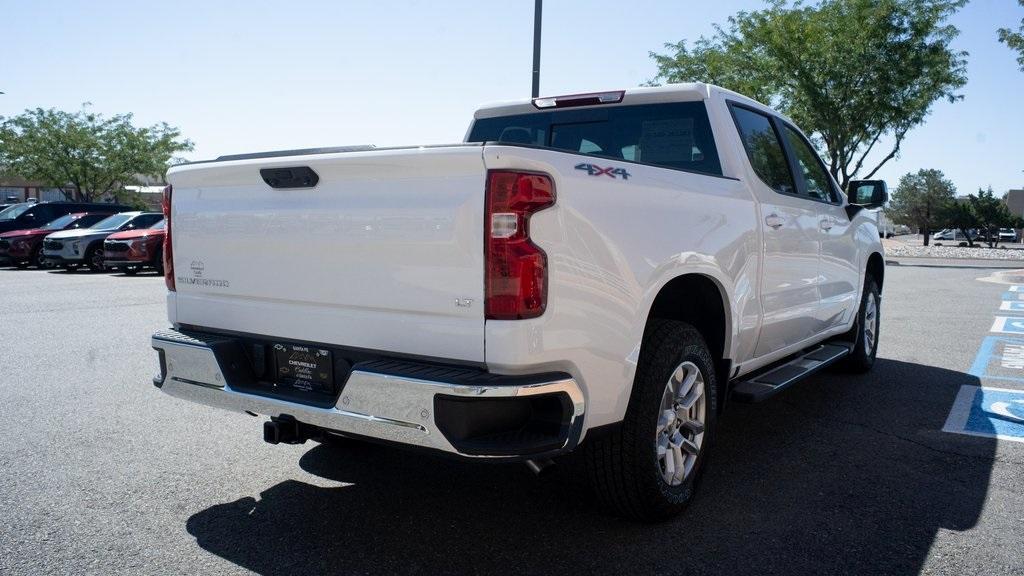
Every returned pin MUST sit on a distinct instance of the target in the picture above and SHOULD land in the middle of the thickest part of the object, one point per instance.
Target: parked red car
(132, 250)
(23, 248)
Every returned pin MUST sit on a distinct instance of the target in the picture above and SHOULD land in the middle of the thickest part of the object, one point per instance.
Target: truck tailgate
(384, 253)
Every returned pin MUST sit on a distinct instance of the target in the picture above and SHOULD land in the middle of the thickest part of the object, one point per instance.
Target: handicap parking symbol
(1008, 325)
(1012, 305)
(999, 358)
(988, 412)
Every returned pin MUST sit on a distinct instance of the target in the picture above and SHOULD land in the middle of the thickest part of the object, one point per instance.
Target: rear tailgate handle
(291, 177)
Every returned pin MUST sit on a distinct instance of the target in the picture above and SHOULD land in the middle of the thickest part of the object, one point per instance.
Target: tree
(992, 214)
(922, 200)
(94, 154)
(958, 215)
(1015, 40)
(853, 73)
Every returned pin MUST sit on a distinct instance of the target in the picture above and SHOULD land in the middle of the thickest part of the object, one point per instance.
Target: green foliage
(1015, 40)
(959, 215)
(95, 154)
(850, 72)
(133, 199)
(922, 200)
(991, 214)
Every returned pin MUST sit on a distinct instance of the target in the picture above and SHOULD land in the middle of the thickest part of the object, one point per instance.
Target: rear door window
(672, 135)
(764, 149)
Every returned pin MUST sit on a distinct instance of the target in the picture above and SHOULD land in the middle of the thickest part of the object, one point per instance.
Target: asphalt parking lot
(102, 474)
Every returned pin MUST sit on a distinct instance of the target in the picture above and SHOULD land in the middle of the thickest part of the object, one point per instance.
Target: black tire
(622, 467)
(38, 260)
(862, 357)
(158, 265)
(21, 265)
(131, 270)
(94, 257)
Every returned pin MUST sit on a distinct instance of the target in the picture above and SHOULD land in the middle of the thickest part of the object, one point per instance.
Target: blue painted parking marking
(1012, 305)
(1013, 295)
(1000, 358)
(1008, 325)
(1016, 288)
(988, 412)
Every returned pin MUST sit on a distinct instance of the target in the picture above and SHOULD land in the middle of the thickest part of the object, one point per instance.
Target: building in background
(1015, 202)
(152, 195)
(14, 189)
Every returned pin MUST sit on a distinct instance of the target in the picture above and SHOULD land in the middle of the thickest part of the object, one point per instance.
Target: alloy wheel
(870, 324)
(681, 421)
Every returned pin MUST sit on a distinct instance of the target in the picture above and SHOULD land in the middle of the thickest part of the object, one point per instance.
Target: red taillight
(168, 253)
(516, 269)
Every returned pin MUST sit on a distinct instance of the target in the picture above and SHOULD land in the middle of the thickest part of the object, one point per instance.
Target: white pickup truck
(594, 274)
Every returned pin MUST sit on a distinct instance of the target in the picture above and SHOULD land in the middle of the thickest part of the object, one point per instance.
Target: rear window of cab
(671, 135)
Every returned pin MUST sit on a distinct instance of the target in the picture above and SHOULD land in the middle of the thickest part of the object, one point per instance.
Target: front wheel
(39, 260)
(94, 258)
(864, 334)
(649, 466)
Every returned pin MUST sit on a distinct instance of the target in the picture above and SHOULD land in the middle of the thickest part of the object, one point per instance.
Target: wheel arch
(875, 267)
(701, 301)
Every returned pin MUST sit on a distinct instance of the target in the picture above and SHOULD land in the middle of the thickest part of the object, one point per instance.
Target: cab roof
(685, 92)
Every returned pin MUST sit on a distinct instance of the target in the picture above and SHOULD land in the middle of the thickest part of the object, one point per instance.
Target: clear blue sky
(250, 76)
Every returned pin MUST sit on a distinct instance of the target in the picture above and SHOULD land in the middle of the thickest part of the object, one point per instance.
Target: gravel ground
(899, 249)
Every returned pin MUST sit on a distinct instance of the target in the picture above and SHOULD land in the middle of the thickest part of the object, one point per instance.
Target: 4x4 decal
(610, 171)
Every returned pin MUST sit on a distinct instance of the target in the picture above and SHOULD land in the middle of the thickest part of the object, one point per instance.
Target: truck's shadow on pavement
(839, 475)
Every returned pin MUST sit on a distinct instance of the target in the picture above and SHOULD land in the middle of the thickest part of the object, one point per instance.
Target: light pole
(536, 47)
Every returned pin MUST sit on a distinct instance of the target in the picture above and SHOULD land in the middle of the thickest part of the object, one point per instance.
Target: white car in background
(950, 235)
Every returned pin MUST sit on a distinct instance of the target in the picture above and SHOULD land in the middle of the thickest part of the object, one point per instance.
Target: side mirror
(868, 194)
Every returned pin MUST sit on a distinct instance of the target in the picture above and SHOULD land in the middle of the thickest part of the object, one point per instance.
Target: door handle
(774, 221)
(826, 224)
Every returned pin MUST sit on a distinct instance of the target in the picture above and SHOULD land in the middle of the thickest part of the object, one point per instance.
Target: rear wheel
(864, 334)
(648, 468)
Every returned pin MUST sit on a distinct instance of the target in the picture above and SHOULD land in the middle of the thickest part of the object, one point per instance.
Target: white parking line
(990, 418)
(1008, 325)
(957, 419)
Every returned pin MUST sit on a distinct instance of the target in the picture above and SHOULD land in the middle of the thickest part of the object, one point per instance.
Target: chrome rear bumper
(372, 403)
